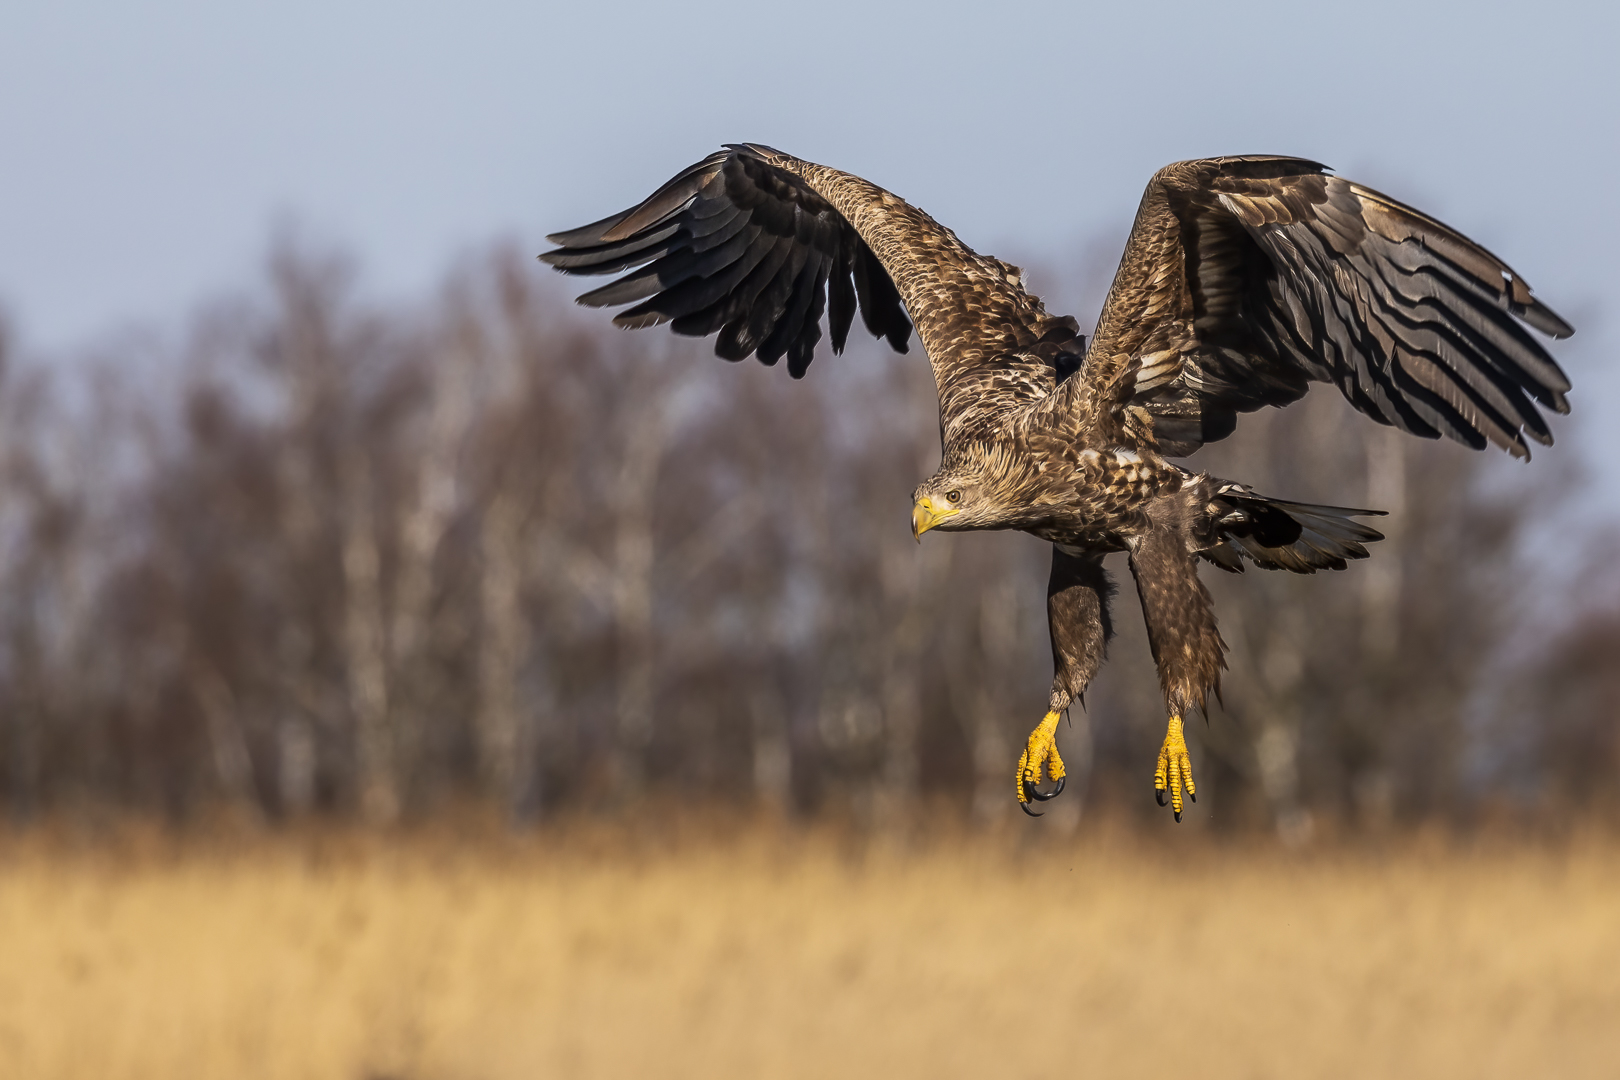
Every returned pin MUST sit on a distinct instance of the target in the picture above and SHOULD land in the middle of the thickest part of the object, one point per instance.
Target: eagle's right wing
(757, 246)
(1247, 278)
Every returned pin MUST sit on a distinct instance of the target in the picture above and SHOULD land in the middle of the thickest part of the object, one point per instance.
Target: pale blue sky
(148, 146)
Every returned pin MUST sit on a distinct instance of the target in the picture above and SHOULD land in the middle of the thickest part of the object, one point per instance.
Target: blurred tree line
(335, 559)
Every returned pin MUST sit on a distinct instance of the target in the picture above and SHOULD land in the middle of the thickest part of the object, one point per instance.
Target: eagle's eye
(953, 496)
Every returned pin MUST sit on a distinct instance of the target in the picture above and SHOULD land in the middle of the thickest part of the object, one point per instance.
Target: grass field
(802, 954)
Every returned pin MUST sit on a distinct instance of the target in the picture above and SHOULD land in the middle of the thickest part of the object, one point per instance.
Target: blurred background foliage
(319, 557)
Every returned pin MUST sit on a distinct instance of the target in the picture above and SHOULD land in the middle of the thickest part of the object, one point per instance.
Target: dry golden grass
(781, 954)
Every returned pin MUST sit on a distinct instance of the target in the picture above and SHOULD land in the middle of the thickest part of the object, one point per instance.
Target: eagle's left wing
(757, 246)
(1247, 278)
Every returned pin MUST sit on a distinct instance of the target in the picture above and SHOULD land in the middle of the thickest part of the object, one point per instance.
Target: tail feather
(1278, 535)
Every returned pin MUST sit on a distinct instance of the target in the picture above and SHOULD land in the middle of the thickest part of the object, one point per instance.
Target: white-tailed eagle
(1245, 279)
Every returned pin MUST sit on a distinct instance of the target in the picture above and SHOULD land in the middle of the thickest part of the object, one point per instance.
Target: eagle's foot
(1174, 769)
(1041, 751)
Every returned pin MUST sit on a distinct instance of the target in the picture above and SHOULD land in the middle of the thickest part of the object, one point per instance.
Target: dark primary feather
(1245, 279)
(735, 246)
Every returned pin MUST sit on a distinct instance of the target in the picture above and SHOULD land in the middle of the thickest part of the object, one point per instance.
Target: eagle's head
(954, 499)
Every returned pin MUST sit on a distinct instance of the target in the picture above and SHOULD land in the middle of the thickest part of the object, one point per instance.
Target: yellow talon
(1041, 750)
(1174, 769)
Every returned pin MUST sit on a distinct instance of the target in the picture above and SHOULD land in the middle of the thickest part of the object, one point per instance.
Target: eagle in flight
(1244, 280)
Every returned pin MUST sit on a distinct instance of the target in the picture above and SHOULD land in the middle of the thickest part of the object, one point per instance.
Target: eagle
(1244, 280)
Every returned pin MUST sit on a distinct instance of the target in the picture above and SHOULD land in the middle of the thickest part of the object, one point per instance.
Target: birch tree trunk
(365, 648)
(1373, 788)
(435, 496)
(993, 751)
(631, 587)
(506, 731)
(233, 765)
(902, 573)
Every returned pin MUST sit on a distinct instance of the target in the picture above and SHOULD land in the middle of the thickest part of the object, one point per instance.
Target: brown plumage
(1244, 280)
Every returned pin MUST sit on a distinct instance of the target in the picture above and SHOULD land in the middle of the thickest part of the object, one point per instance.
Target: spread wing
(1247, 278)
(757, 247)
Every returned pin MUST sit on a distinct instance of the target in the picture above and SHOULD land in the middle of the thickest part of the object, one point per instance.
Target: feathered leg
(1077, 617)
(1186, 645)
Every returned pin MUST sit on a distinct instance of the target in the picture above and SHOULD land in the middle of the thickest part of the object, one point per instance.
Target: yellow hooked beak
(925, 514)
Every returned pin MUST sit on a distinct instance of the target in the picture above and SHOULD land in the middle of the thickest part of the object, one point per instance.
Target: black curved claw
(1193, 796)
(1024, 806)
(1178, 817)
(1158, 796)
(1035, 793)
